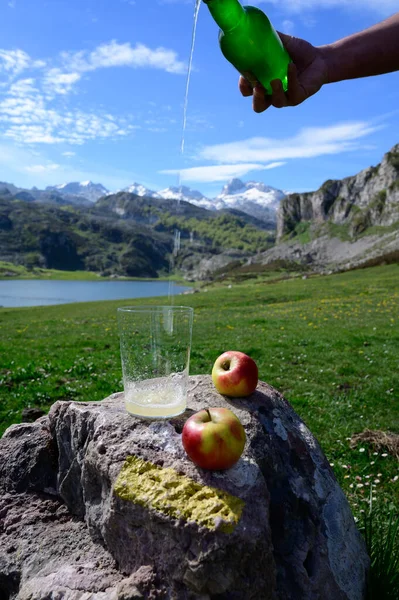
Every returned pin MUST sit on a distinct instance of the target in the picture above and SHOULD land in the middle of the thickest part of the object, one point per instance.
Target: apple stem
(209, 414)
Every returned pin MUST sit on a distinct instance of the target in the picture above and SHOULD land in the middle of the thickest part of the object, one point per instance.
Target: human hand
(306, 75)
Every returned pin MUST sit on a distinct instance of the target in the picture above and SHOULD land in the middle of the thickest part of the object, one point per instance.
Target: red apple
(235, 374)
(214, 438)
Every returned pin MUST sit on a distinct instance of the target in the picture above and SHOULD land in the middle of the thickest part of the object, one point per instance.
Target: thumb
(289, 41)
(299, 50)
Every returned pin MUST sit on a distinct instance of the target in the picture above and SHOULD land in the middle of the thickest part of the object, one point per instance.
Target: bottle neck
(227, 13)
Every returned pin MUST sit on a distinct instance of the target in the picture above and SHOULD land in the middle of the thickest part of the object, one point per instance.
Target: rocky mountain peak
(344, 224)
(232, 187)
(370, 198)
(141, 190)
(87, 189)
(182, 192)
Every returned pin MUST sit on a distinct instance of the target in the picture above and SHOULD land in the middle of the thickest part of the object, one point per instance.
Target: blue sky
(94, 89)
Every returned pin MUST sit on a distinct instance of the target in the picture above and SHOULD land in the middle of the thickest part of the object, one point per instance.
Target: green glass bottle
(249, 41)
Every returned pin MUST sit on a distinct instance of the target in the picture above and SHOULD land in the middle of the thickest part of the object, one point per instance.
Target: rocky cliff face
(369, 198)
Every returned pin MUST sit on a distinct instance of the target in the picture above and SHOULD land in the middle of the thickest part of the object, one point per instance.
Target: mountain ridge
(86, 189)
(344, 224)
(256, 199)
(123, 235)
(371, 197)
(253, 198)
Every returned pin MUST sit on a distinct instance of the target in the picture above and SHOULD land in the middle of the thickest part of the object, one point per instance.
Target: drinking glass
(155, 351)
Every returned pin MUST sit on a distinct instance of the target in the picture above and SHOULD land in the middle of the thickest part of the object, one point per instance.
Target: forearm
(371, 52)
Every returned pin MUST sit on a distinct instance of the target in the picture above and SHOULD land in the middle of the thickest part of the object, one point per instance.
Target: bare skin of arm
(373, 51)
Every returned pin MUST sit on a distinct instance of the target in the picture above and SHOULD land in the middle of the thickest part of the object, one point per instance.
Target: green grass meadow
(330, 344)
(11, 271)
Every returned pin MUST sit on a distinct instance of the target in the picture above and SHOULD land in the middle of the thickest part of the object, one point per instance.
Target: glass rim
(156, 308)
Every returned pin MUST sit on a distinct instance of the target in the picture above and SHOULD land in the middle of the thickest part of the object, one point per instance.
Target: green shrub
(393, 159)
(360, 222)
(378, 202)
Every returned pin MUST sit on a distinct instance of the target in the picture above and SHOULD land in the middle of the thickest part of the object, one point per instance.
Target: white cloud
(57, 82)
(215, 173)
(114, 54)
(274, 165)
(71, 65)
(22, 87)
(27, 116)
(31, 114)
(69, 154)
(42, 168)
(383, 7)
(308, 143)
(261, 153)
(14, 61)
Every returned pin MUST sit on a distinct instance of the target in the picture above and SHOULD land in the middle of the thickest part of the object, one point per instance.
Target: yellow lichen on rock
(177, 496)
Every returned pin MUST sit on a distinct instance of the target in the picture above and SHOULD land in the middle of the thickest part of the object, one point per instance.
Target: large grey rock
(114, 510)
(28, 458)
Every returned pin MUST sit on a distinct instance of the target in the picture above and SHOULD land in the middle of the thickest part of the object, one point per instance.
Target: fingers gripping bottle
(249, 41)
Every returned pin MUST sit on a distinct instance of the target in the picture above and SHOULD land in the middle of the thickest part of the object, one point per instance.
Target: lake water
(43, 292)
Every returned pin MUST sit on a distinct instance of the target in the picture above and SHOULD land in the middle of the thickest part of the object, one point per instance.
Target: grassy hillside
(11, 271)
(72, 239)
(120, 235)
(224, 231)
(330, 344)
(307, 231)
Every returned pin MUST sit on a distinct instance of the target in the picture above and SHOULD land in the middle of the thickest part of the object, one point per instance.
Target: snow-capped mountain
(236, 193)
(87, 189)
(254, 198)
(185, 193)
(141, 190)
